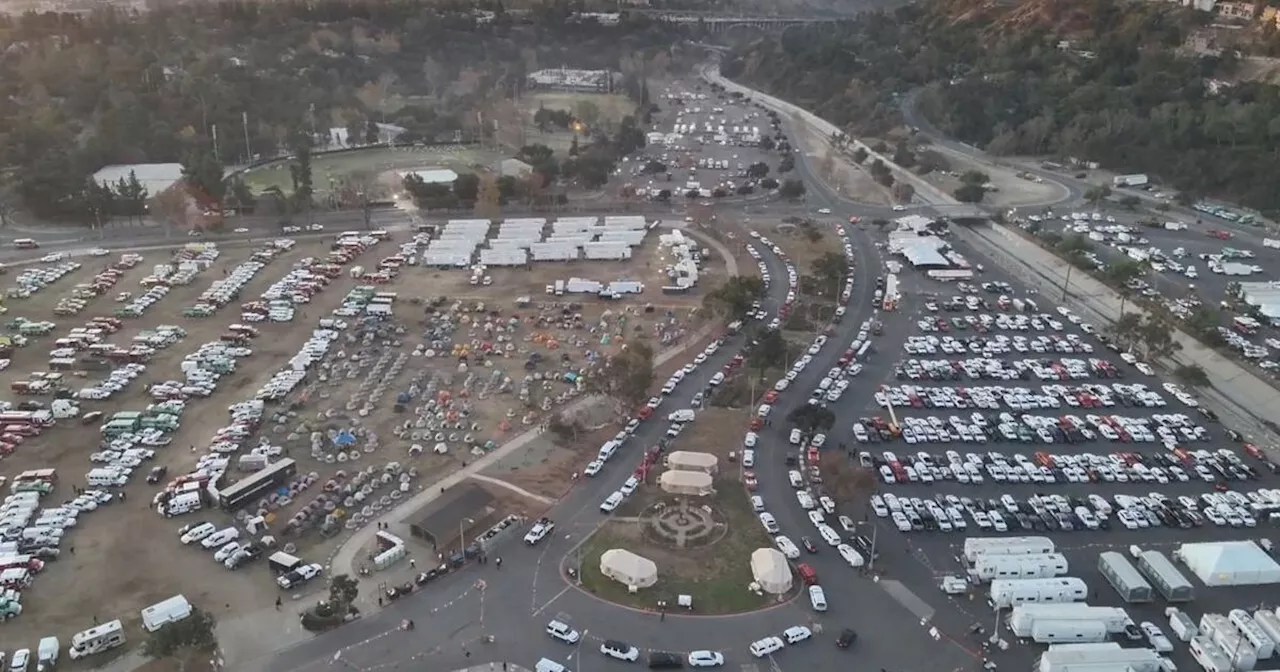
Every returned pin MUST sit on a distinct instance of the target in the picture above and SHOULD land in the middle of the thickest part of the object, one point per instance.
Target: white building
(1230, 563)
(564, 79)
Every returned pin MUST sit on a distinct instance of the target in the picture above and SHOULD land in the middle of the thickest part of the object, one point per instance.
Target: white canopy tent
(628, 568)
(686, 460)
(770, 569)
(1230, 563)
(687, 483)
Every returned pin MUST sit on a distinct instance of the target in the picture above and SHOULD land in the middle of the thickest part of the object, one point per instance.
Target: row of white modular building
(517, 242)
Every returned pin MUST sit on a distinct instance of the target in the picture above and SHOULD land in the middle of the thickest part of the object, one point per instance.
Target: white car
(769, 522)
(20, 661)
(611, 502)
(787, 547)
(539, 531)
(198, 532)
(298, 576)
(620, 650)
(763, 647)
(563, 632)
(220, 537)
(593, 467)
(241, 230)
(629, 486)
(226, 551)
(706, 659)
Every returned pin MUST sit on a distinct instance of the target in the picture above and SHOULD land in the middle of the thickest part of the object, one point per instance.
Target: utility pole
(248, 147)
(216, 153)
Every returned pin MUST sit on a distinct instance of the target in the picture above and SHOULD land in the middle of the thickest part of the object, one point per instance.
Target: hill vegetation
(1100, 80)
(78, 92)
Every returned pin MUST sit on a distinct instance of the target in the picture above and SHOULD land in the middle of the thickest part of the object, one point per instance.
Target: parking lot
(705, 142)
(998, 412)
(1185, 266)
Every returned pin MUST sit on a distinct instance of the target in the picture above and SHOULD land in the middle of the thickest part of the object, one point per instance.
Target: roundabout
(701, 551)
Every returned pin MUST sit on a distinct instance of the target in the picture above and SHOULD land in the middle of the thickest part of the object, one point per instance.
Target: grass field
(380, 162)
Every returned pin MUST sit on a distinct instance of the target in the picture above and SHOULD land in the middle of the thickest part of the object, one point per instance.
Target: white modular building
(609, 251)
(1098, 657)
(554, 251)
(505, 257)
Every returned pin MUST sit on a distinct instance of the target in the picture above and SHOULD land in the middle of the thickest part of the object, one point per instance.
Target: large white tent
(628, 568)
(1230, 563)
(692, 461)
(770, 570)
(686, 483)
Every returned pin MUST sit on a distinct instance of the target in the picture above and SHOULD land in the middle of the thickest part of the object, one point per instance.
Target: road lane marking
(553, 599)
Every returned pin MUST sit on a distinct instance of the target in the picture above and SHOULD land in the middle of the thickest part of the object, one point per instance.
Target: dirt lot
(1011, 190)
(838, 171)
(101, 555)
(714, 570)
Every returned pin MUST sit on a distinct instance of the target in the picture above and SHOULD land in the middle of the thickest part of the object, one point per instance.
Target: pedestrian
(279, 602)
(72, 550)
(499, 563)
(413, 564)
(123, 495)
(662, 616)
(379, 600)
(95, 619)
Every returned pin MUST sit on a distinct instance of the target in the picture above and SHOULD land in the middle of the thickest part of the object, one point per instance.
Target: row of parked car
(990, 368)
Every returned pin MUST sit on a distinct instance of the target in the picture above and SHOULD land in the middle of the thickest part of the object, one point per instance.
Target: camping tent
(686, 483)
(770, 569)
(1230, 563)
(628, 568)
(685, 460)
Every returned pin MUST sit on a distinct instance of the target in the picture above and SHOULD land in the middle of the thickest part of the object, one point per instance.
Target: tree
(467, 188)
(828, 274)
(355, 131)
(99, 203)
(768, 350)
(203, 173)
(846, 482)
(300, 175)
(195, 632)
(1126, 329)
(588, 113)
(489, 198)
(343, 590)
(1193, 375)
(903, 192)
(371, 132)
(735, 297)
(969, 193)
(812, 418)
(860, 155)
(625, 377)
(1096, 195)
(174, 208)
(769, 183)
(791, 189)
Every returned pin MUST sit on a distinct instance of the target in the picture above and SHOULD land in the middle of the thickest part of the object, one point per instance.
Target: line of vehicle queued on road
(677, 420)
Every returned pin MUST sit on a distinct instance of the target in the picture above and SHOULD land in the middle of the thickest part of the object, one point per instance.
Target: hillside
(1097, 79)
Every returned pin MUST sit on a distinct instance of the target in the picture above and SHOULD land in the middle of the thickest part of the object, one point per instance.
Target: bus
(256, 485)
(25, 244)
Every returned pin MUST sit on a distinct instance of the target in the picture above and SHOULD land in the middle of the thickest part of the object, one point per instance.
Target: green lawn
(715, 576)
(378, 163)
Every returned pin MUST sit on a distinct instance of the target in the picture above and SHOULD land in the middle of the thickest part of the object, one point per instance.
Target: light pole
(462, 535)
(875, 535)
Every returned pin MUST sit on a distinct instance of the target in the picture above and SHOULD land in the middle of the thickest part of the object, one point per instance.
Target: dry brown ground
(114, 557)
(840, 173)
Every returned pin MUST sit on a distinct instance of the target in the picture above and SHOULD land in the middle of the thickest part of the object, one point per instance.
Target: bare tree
(847, 482)
(489, 197)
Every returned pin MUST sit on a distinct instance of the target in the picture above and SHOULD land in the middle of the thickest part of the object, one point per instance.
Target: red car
(1222, 235)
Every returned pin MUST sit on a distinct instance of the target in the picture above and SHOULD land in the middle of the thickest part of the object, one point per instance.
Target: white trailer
(1181, 624)
(1098, 656)
(989, 567)
(97, 639)
(1210, 656)
(1270, 624)
(553, 251)
(1067, 632)
(1263, 645)
(1134, 180)
(975, 546)
(1235, 646)
(1024, 616)
(607, 251)
(163, 613)
(1007, 593)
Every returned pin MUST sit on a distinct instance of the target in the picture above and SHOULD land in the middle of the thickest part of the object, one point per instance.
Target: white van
(829, 535)
(796, 480)
(547, 665)
(180, 504)
(47, 653)
(817, 598)
(607, 450)
(682, 415)
(105, 478)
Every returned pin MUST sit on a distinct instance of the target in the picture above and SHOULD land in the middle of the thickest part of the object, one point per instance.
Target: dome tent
(628, 568)
(770, 569)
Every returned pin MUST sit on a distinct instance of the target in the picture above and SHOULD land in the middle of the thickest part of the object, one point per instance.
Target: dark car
(808, 545)
(157, 474)
(661, 660)
(847, 638)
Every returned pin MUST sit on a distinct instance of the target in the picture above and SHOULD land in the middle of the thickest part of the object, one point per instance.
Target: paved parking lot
(1180, 268)
(1010, 417)
(705, 142)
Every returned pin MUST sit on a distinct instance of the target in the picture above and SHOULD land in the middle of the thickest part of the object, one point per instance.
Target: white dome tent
(627, 568)
(1230, 563)
(771, 571)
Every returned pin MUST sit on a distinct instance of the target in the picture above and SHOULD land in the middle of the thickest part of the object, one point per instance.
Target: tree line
(223, 83)
(1097, 80)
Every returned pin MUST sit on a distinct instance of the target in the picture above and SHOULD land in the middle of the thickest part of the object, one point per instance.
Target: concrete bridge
(718, 22)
